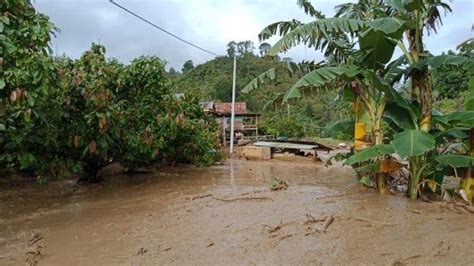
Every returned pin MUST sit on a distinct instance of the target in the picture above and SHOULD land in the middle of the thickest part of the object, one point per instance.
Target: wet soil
(227, 215)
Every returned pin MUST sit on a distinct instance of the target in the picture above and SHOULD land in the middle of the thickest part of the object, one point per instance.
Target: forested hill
(213, 79)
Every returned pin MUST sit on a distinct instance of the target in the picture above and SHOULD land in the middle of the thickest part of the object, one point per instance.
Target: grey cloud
(208, 23)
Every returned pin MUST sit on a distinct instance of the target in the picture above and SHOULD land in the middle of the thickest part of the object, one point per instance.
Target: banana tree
(420, 16)
(459, 123)
(426, 150)
(361, 70)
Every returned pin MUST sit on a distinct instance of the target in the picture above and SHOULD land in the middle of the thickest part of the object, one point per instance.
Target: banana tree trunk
(421, 89)
(415, 164)
(377, 132)
(422, 86)
(421, 92)
(360, 129)
(467, 182)
(380, 178)
(369, 121)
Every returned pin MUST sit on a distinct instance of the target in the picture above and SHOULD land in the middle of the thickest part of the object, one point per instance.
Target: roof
(225, 108)
(207, 105)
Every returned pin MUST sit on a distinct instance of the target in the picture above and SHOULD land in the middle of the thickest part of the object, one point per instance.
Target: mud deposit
(227, 215)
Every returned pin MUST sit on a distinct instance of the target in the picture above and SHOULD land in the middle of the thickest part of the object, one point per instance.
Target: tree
(92, 112)
(449, 81)
(245, 47)
(28, 90)
(173, 71)
(240, 48)
(188, 65)
(231, 49)
(264, 48)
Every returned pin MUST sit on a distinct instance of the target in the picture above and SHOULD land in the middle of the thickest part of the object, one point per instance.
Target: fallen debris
(415, 211)
(442, 249)
(464, 207)
(329, 219)
(277, 184)
(335, 196)
(35, 249)
(285, 237)
(35, 237)
(200, 196)
(210, 244)
(372, 221)
(242, 198)
(311, 232)
(273, 229)
(141, 251)
(404, 261)
(33, 255)
(312, 220)
(254, 191)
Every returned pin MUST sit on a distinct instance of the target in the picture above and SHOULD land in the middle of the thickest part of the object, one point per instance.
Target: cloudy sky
(208, 23)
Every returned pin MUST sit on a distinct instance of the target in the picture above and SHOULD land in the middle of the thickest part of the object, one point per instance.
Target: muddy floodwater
(227, 215)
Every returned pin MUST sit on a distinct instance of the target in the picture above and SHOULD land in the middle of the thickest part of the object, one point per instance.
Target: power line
(163, 30)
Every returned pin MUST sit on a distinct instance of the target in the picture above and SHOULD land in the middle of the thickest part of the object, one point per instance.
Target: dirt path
(227, 215)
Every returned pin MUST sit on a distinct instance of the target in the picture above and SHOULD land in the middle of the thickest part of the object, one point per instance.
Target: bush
(293, 126)
(59, 117)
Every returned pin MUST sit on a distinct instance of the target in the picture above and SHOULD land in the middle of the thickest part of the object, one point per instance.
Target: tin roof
(226, 108)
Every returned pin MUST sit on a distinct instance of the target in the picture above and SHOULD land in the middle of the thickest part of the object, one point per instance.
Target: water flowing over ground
(227, 215)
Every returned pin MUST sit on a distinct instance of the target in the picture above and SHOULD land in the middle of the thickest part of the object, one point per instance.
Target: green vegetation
(212, 81)
(60, 117)
(359, 43)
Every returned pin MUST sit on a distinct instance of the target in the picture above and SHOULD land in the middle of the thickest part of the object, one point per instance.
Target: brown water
(191, 215)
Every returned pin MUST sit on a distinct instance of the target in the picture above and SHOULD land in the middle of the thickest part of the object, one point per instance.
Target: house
(245, 123)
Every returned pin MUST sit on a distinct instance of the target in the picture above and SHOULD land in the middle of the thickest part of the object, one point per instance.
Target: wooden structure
(294, 147)
(245, 123)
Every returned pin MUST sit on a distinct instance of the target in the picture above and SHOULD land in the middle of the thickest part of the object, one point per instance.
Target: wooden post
(224, 139)
(256, 127)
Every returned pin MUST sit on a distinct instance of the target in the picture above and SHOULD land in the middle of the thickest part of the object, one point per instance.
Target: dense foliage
(60, 116)
(359, 43)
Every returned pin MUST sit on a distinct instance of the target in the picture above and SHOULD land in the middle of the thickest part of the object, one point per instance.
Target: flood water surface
(226, 214)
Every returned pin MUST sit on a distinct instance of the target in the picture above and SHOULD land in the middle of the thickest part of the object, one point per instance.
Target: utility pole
(233, 109)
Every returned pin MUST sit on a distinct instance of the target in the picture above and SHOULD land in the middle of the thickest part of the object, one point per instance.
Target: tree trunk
(360, 128)
(90, 173)
(421, 92)
(380, 177)
(467, 182)
(421, 83)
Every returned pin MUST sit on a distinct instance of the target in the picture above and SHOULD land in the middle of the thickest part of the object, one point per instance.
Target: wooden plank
(284, 145)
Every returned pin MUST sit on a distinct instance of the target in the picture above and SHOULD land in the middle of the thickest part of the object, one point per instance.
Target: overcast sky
(208, 23)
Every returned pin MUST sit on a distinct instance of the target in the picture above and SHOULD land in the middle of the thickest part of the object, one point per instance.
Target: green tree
(449, 81)
(27, 90)
(264, 48)
(231, 49)
(188, 65)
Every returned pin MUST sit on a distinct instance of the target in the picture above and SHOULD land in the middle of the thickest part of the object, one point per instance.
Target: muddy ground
(227, 215)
